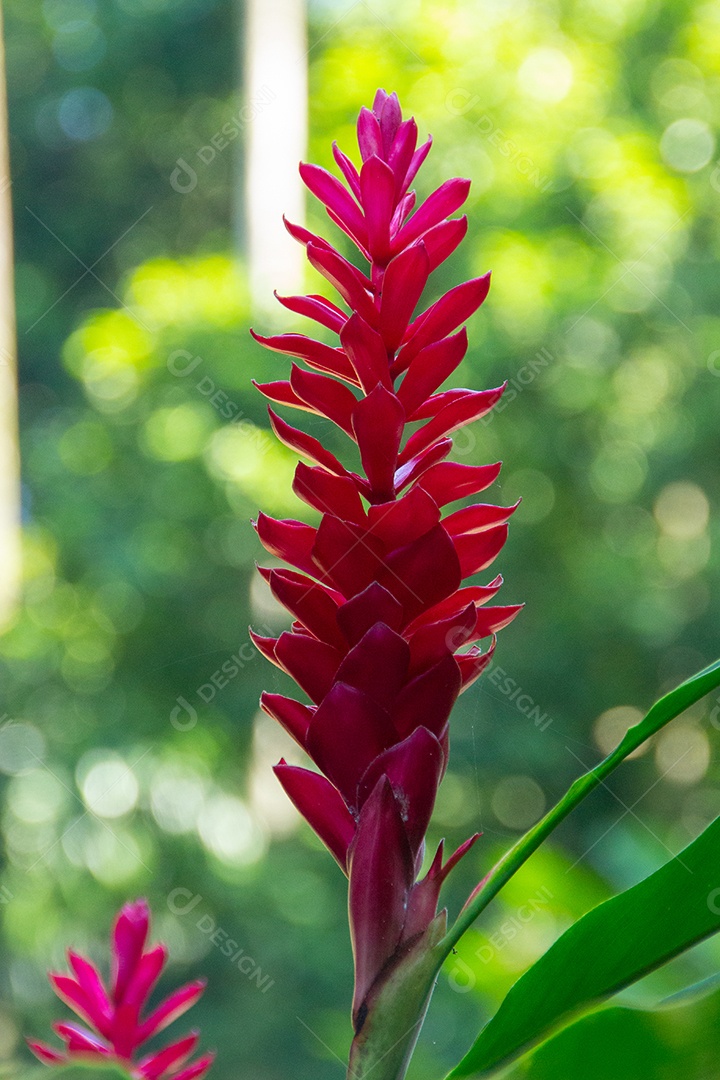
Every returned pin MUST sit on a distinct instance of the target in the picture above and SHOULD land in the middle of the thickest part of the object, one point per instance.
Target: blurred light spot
(268, 800)
(546, 75)
(22, 839)
(591, 340)
(700, 809)
(618, 472)
(630, 531)
(87, 670)
(170, 930)
(208, 289)
(177, 434)
(687, 145)
(109, 786)
(112, 855)
(635, 218)
(119, 602)
(85, 448)
(674, 72)
(263, 604)
(593, 154)
(106, 353)
(610, 727)
(683, 558)
(525, 280)
(28, 980)
(22, 746)
(160, 548)
(643, 382)
(176, 798)
(79, 45)
(683, 99)
(253, 463)
(518, 802)
(58, 13)
(112, 385)
(456, 803)
(227, 829)
(36, 797)
(682, 510)
(91, 649)
(113, 336)
(575, 386)
(682, 754)
(523, 940)
(85, 113)
(304, 898)
(637, 291)
(655, 613)
(678, 664)
(73, 840)
(536, 491)
(9, 1036)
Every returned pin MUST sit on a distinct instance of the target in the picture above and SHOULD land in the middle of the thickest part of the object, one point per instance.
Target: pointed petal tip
(198, 1069)
(138, 909)
(44, 1053)
(458, 854)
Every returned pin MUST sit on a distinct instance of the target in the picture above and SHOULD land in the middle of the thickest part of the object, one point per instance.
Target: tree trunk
(10, 554)
(276, 107)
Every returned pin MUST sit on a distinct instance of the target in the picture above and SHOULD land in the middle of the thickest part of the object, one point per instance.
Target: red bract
(116, 1028)
(384, 637)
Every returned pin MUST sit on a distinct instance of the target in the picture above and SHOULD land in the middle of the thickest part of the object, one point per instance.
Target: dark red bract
(384, 637)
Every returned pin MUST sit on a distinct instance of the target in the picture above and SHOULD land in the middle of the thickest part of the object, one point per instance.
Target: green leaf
(611, 947)
(618, 1043)
(662, 712)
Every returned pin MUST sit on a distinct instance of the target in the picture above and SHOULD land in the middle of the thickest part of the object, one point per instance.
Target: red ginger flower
(117, 1030)
(380, 617)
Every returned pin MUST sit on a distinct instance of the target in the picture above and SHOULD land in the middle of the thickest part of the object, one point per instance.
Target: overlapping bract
(116, 1029)
(384, 637)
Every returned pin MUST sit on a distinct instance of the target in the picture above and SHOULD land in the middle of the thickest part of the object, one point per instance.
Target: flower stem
(395, 1012)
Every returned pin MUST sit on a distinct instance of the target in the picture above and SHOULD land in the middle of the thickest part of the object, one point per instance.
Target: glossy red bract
(384, 637)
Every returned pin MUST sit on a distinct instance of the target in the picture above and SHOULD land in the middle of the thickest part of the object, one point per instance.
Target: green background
(588, 129)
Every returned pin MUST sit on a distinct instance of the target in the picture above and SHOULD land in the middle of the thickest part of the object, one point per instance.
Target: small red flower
(384, 638)
(116, 1028)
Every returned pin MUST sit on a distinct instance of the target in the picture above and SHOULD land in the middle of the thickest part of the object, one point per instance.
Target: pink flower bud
(117, 1028)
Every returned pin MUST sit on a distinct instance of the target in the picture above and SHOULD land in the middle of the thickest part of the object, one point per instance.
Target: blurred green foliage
(133, 759)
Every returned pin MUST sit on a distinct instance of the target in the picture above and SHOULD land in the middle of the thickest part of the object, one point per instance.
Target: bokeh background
(133, 760)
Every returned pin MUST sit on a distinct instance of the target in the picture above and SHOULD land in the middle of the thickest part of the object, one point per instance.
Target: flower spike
(385, 637)
(117, 1029)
